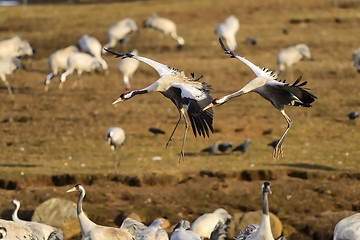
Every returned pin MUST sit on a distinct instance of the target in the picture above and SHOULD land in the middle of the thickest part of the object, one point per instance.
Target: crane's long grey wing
(161, 69)
(303, 95)
(257, 70)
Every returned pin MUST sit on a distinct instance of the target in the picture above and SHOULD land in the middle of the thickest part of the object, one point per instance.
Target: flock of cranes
(211, 226)
(186, 92)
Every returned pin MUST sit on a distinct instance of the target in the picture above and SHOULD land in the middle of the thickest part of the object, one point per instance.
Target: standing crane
(227, 30)
(165, 26)
(291, 55)
(115, 136)
(92, 231)
(93, 47)
(183, 92)
(127, 67)
(8, 66)
(276, 92)
(40, 230)
(262, 231)
(117, 32)
(58, 63)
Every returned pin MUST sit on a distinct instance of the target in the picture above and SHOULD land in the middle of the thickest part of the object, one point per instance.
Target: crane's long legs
(116, 160)
(170, 138)
(182, 115)
(8, 87)
(278, 149)
(182, 153)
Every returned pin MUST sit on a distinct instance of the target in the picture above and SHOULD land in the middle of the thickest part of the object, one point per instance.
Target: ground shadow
(306, 166)
(18, 165)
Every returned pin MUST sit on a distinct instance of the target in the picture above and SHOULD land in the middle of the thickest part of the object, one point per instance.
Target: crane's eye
(122, 96)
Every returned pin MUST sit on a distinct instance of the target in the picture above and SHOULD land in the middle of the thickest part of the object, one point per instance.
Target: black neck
(139, 92)
(265, 203)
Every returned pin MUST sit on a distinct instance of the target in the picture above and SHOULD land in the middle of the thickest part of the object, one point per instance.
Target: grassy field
(63, 132)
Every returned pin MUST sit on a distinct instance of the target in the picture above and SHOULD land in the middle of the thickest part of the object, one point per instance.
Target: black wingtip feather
(302, 84)
(193, 126)
(198, 125)
(117, 55)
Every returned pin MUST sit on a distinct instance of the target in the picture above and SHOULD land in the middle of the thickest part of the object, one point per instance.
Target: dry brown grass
(63, 131)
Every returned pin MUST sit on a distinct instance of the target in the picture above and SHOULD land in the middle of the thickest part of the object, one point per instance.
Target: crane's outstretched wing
(195, 100)
(257, 70)
(161, 69)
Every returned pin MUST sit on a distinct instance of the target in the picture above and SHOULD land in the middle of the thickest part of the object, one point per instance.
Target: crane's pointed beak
(208, 106)
(117, 101)
(73, 189)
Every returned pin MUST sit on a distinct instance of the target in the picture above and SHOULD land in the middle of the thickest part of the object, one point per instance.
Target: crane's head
(216, 102)
(123, 97)
(266, 188)
(16, 202)
(77, 187)
(128, 95)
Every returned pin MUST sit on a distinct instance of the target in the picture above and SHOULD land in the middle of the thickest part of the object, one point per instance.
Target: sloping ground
(52, 140)
(308, 202)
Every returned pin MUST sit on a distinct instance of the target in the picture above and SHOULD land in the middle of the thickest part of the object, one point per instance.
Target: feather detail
(201, 121)
(257, 70)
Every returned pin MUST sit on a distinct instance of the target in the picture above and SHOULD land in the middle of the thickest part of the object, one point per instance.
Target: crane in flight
(183, 92)
(277, 92)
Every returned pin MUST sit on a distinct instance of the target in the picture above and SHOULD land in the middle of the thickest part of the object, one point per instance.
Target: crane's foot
(182, 156)
(169, 142)
(278, 150)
